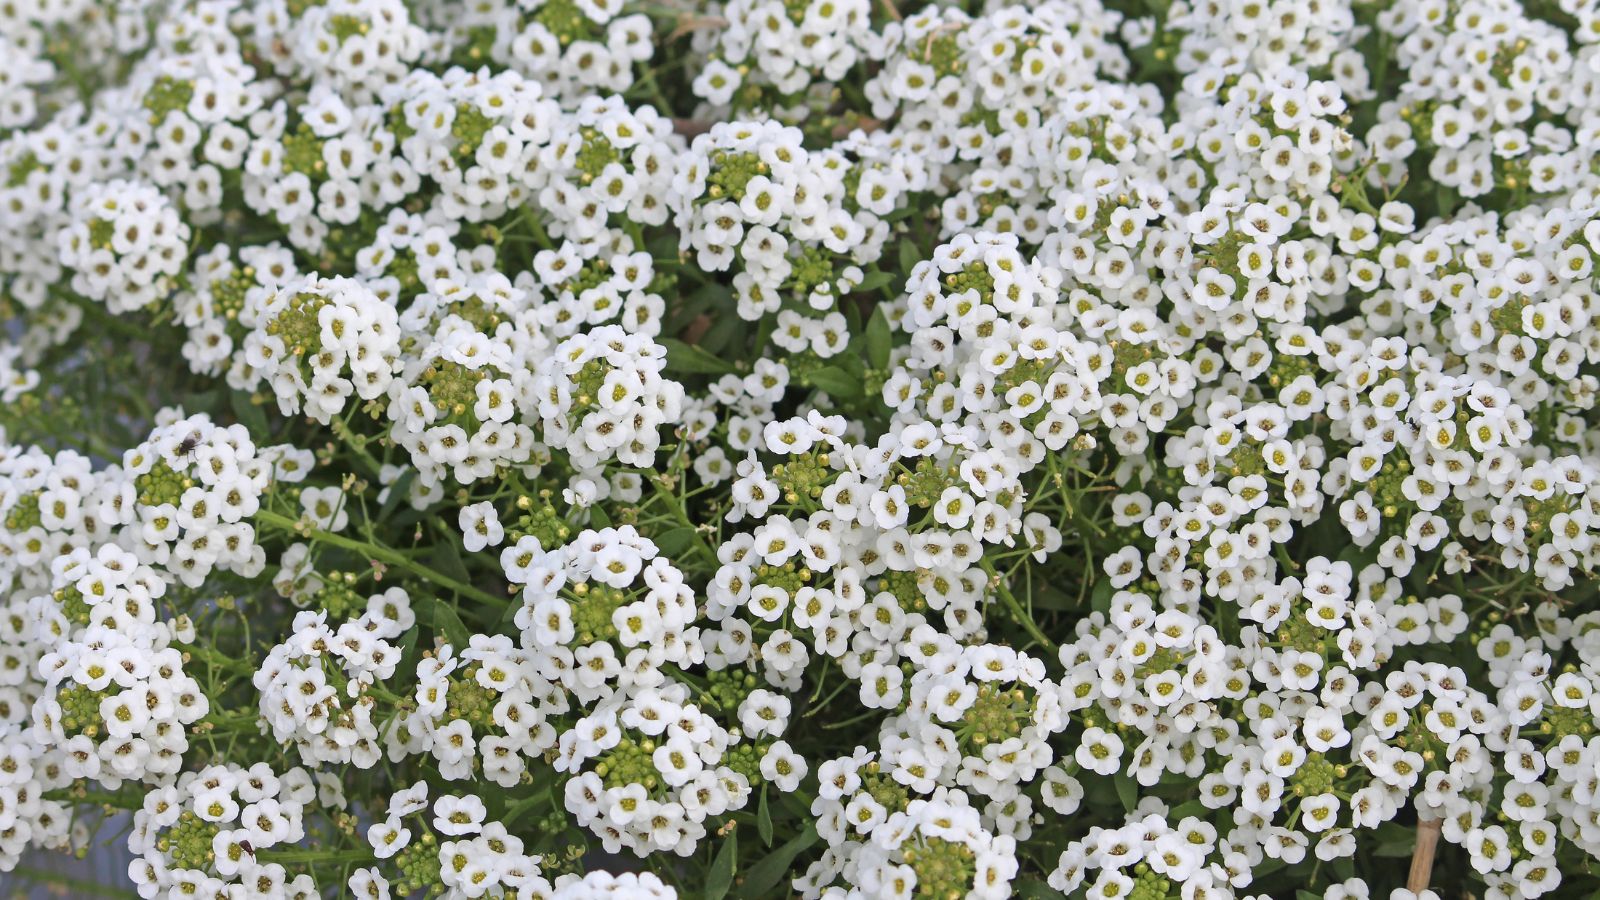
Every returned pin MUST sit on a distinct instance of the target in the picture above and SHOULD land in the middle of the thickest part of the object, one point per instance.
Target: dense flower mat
(1123, 449)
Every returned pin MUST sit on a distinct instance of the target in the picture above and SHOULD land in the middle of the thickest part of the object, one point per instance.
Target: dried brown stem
(1422, 857)
(692, 23)
(690, 128)
(696, 329)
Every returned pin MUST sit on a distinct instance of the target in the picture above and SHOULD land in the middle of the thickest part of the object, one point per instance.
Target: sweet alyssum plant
(1126, 449)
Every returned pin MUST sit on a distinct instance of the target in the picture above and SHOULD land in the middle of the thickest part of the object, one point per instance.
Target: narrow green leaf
(711, 299)
(725, 332)
(909, 256)
(446, 622)
(1345, 868)
(688, 358)
(1127, 791)
(520, 807)
(1266, 868)
(250, 415)
(765, 875)
(1395, 849)
(409, 651)
(1100, 597)
(1038, 890)
(836, 382)
(1048, 597)
(720, 878)
(879, 341)
(852, 318)
(398, 492)
(446, 557)
(764, 818)
(874, 281)
(675, 541)
(1183, 810)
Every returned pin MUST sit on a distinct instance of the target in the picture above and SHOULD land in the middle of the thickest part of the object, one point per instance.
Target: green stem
(300, 855)
(115, 801)
(219, 659)
(675, 505)
(381, 553)
(74, 887)
(1016, 608)
(356, 444)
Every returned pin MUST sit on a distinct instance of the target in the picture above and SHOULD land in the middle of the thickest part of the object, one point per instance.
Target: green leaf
(1345, 868)
(765, 875)
(853, 365)
(508, 619)
(1100, 597)
(250, 415)
(397, 493)
(1127, 791)
(1395, 849)
(909, 256)
(879, 341)
(720, 878)
(409, 652)
(874, 281)
(447, 559)
(1050, 597)
(852, 319)
(676, 541)
(692, 359)
(725, 330)
(1038, 890)
(836, 382)
(520, 807)
(764, 818)
(1304, 894)
(1184, 810)
(763, 334)
(598, 517)
(1266, 868)
(711, 299)
(446, 622)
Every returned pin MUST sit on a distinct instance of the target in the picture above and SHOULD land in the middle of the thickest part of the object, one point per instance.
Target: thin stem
(75, 887)
(300, 855)
(1422, 856)
(381, 553)
(115, 801)
(1016, 608)
(219, 659)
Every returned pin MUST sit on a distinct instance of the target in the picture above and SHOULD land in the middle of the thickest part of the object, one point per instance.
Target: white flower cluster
(573, 48)
(202, 834)
(302, 699)
(777, 58)
(649, 772)
(117, 700)
(1146, 450)
(606, 590)
(602, 395)
(484, 710)
(356, 47)
(476, 857)
(794, 224)
(125, 245)
(98, 685)
(317, 341)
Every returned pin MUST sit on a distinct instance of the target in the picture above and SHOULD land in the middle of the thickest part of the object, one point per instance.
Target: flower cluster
(818, 448)
(216, 828)
(125, 246)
